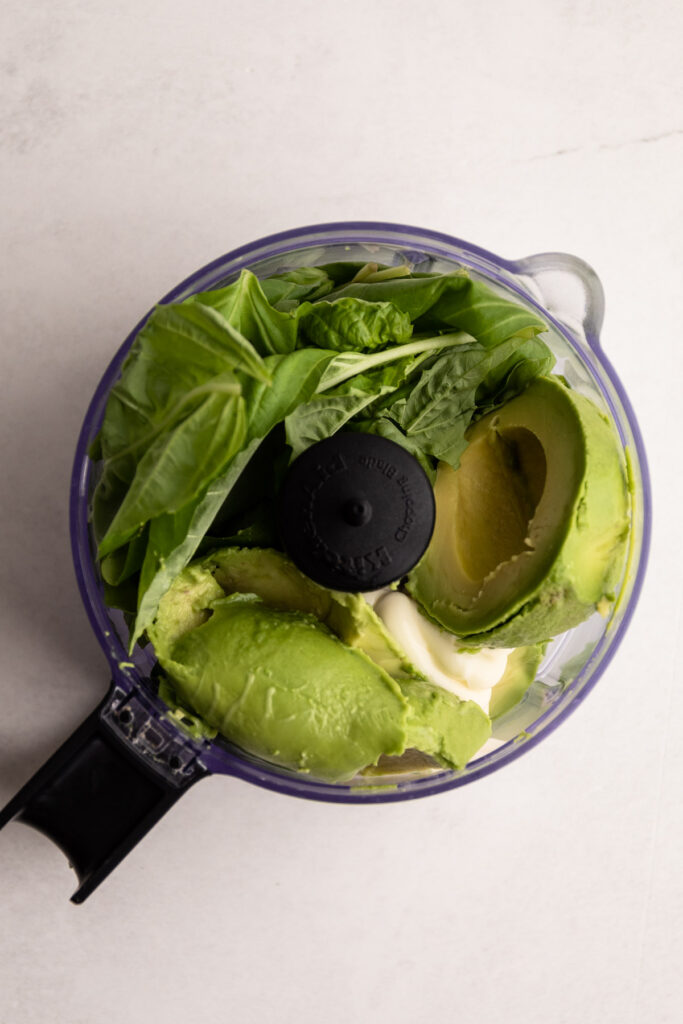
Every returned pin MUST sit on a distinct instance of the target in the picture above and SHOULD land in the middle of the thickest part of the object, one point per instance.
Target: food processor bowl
(161, 760)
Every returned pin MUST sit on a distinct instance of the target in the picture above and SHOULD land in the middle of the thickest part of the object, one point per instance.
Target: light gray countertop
(141, 140)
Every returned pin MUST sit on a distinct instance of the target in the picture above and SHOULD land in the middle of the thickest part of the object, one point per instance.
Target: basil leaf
(435, 302)
(295, 378)
(175, 537)
(381, 426)
(342, 272)
(511, 375)
(443, 401)
(120, 565)
(244, 305)
(173, 540)
(353, 325)
(176, 467)
(215, 341)
(348, 364)
(413, 295)
(327, 413)
(183, 358)
(483, 313)
(285, 291)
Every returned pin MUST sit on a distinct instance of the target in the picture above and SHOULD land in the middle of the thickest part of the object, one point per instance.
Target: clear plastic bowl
(568, 294)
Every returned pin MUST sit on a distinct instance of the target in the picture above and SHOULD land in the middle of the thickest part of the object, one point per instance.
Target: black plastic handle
(105, 788)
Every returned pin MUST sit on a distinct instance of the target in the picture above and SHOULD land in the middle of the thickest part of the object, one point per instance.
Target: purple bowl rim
(296, 785)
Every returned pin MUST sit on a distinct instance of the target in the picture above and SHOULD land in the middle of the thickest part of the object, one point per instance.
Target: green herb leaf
(353, 325)
(214, 336)
(174, 538)
(443, 400)
(414, 295)
(295, 378)
(383, 427)
(483, 313)
(509, 376)
(435, 302)
(176, 467)
(244, 305)
(120, 565)
(184, 357)
(348, 364)
(285, 291)
(325, 414)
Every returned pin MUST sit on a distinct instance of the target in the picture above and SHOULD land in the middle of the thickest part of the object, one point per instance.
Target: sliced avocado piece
(531, 528)
(520, 672)
(271, 576)
(278, 582)
(283, 687)
(185, 605)
(359, 625)
(276, 648)
(440, 724)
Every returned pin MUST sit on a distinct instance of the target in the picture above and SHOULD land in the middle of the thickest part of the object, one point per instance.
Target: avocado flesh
(531, 529)
(440, 724)
(278, 582)
(519, 674)
(282, 687)
(342, 692)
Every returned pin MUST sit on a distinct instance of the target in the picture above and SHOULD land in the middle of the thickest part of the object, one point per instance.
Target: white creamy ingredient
(373, 596)
(435, 652)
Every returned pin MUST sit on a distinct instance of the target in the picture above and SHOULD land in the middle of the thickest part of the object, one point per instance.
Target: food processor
(131, 759)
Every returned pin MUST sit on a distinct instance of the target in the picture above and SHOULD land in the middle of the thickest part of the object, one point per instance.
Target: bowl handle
(105, 788)
(569, 289)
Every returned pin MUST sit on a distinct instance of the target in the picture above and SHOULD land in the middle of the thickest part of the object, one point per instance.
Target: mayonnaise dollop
(435, 652)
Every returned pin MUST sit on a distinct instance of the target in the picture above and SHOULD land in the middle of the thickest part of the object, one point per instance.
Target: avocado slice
(277, 581)
(283, 687)
(302, 676)
(531, 529)
(440, 724)
(520, 672)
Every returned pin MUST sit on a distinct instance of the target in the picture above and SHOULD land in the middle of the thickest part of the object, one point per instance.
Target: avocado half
(530, 532)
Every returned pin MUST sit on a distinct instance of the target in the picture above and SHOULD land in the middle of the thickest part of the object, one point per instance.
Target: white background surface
(139, 141)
